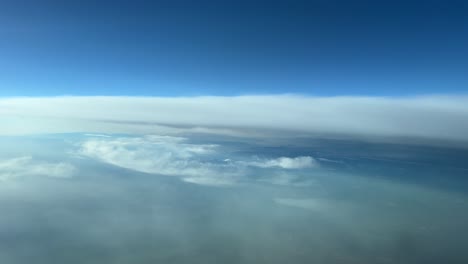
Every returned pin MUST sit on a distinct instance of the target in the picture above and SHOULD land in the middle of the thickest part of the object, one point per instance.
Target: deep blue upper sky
(185, 48)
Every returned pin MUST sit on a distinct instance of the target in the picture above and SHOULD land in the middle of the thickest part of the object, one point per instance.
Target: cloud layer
(282, 210)
(435, 117)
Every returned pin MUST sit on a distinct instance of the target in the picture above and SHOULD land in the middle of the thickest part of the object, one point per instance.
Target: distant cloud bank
(432, 117)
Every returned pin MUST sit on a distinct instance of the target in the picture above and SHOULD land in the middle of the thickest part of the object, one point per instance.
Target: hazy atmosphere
(142, 199)
(327, 132)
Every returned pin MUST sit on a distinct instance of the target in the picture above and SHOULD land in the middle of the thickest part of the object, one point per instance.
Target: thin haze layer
(436, 117)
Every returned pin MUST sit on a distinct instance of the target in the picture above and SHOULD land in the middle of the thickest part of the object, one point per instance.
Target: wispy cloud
(285, 163)
(435, 117)
(27, 166)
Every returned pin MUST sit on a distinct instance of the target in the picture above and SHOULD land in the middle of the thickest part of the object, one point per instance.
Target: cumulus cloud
(174, 156)
(434, 117)
(161, 155)
(27, 166)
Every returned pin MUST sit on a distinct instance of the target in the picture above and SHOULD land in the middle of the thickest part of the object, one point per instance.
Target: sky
(233, 131)
(367, 69)
(228, 48)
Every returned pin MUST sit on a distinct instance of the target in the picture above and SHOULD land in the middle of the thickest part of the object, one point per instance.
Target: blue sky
(187, 48)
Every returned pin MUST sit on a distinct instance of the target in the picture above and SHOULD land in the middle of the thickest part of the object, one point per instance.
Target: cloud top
(435, 117)
(174, 156)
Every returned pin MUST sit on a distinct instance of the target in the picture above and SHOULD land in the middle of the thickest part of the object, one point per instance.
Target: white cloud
(174, 156)
(286, 163)
(161, 155)
(27, 166)
(435, 117)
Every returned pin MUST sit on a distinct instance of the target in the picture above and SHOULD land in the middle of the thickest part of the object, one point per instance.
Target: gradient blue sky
(187, 48)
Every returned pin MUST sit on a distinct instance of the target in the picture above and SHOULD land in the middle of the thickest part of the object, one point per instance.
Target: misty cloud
(310, 204)
(227, 202)
(436, 117)
(286, 178)
(27, 166)
(286, 163)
